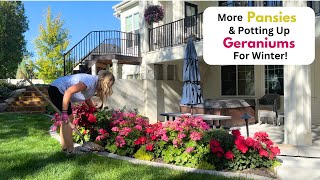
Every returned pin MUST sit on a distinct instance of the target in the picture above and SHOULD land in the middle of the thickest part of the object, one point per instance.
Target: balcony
(176, 33)
(100, 47)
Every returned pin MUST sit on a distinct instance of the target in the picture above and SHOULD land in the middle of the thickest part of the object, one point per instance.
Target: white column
(144, 39)
(115, 68)
(165, 71)
(297, 105)
(297, 99)
(119, 71)
(94, 69)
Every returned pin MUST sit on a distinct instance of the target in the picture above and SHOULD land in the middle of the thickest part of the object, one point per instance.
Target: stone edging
(55, 135)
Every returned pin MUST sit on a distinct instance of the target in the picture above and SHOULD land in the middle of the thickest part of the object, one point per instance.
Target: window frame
(131, 34)
(237, 82)
(266, 78)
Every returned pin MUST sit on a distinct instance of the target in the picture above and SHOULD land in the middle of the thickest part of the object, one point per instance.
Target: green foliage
(6, 89)
(27, 67)
(179, 156)
(250, 160)
(50, 45)
(143, 154)
(275, 163)
(103, 118)
(77, 138)
(13, 25)
(206, 166)
(224, 137)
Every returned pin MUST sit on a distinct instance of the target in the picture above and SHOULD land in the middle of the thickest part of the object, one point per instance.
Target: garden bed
(28, 152)
(187, 141)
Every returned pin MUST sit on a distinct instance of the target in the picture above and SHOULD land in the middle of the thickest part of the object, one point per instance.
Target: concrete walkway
(299, 168)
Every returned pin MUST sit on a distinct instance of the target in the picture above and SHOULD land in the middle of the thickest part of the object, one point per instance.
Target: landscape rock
(3, 106)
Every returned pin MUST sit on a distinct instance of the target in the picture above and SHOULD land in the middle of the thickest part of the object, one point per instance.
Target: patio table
(205, 117)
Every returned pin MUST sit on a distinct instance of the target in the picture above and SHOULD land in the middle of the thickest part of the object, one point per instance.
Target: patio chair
(269, 104)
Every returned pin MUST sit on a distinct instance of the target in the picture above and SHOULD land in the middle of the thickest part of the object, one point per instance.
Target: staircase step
(30, 98)
(26, 109)
(28, 103)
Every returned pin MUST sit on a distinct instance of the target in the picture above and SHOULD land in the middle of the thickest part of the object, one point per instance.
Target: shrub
(127, 133)
(181, 141)
(223, 136)
(206, 166)
(255, 152)
(143, 154)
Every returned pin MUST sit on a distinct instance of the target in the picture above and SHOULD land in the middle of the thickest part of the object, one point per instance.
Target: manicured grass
(28, 152)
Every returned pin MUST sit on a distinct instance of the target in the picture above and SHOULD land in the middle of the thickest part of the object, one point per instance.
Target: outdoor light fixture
(246, 117)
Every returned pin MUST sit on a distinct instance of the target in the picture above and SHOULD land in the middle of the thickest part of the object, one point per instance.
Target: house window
(190, 12)
(237, 80)
(274, 79)
(315, 5)
(132, 27)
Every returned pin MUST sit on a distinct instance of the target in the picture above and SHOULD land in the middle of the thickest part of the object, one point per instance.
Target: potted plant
(153, 13)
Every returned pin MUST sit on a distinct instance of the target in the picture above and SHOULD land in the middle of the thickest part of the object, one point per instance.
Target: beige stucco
(161, 96)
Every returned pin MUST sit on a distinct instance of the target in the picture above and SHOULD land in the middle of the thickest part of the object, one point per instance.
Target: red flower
(236, 133)
(102, 131)
(92, 118)
(240, 144)
(153, 137)
(149, 147)
(250, 142)
(275, 150)
(264, 153)
(229, 155)
(214, 142)
(92, 109)
(141, 140)
(149, 130)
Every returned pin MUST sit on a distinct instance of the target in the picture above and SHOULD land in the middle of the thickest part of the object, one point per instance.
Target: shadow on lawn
(33, 165)
(21, 125)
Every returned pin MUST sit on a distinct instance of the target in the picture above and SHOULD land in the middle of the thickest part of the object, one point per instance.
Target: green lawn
(28, 152)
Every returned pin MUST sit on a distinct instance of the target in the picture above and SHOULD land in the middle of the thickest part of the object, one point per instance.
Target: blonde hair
(105, 83)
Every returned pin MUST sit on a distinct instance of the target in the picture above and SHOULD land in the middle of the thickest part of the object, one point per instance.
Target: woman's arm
(68, 93)
(90, 103)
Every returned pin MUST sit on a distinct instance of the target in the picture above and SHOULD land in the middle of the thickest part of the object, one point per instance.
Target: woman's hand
(64, 116)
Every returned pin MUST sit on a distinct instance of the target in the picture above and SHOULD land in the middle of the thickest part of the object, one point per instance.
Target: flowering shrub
(85, 119)
(154, 13)
(255, 152)
(181, 141)
(187, 141)
(127, 131)
(221, 143)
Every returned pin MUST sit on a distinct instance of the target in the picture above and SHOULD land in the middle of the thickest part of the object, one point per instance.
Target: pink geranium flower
(189, 149)
(195, 136)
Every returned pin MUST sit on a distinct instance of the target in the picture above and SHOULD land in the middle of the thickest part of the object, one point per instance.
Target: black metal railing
(101, 43)
(175, 33)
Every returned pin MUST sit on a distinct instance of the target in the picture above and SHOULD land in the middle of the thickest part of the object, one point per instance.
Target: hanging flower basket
(153, 13)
